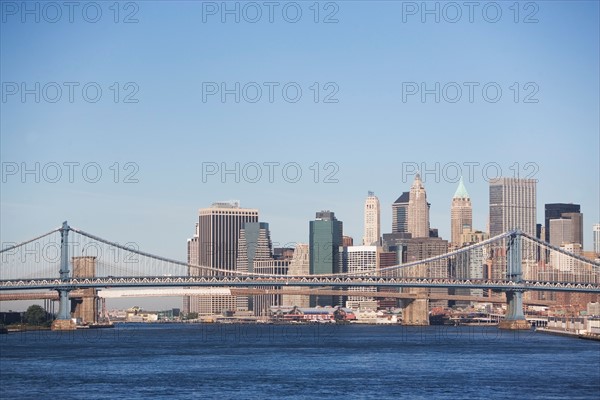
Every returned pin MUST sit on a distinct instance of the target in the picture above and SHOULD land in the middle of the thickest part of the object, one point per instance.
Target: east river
(182, 361)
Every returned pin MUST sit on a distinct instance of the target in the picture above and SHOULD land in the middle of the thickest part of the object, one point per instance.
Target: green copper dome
(461, 191)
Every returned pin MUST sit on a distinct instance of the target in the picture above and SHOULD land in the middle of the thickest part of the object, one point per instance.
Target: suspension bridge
(68, 260)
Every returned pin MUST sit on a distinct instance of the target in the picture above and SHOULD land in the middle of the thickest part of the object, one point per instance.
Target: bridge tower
(416, 312)
(63, 320)
(514, 318)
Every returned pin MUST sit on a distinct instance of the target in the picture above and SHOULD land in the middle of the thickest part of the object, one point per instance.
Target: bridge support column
(514, 318)
(63, 321)
(416, 313)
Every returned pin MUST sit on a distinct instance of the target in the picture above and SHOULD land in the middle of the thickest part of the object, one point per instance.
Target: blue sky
(371, 135)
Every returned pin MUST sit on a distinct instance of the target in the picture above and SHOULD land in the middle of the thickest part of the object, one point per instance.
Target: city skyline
(138, 163)
(355, 219)
(352, 184)
(460, 193)
(254, 211)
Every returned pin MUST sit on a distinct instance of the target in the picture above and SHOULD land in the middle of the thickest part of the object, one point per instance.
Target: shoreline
(570, 334)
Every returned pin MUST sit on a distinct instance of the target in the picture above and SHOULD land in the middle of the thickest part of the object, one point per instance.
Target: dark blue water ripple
(297, 361)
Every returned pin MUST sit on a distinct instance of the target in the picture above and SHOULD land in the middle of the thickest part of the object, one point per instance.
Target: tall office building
(418, 210)
(555, 211)
(512, 205)
(300, 265)
(325, 239)
(193, 249)
(263, 302)
(388, 258)
(254, 244)
(561, 231)
(563, 262)
(193, 259)
(596, 234)
(372, 220)
(420, 249)
(576, 219)
(470, 264)
(400, 214)
(461, 214)
(360, 259)
(219, 228)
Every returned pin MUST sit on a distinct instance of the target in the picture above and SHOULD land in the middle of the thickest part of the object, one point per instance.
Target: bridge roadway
(52, 295)
(301, 281)
(411, 296)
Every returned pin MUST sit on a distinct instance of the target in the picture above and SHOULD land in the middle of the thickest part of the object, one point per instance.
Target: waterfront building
(299, 265)
(219, 229)
(261, 304)
(325, 239)
(254, 244)
(420, 249)
(193, 259)
(362, 260)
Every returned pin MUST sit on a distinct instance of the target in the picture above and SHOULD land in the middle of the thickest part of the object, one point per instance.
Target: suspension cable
(563, 251)
(31, 240)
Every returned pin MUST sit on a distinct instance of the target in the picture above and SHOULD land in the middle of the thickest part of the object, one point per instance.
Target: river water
(175, 361)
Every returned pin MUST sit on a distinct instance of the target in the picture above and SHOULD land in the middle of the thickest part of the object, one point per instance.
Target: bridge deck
(52, 295)
(289, 281)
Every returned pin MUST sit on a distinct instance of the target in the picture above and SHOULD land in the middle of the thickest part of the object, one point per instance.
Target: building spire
(417, 183)
(461, 191)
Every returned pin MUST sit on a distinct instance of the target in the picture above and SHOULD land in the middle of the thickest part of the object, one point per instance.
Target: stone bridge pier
(415, 312)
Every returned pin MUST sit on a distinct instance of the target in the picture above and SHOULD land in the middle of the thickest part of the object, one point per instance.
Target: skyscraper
(576, 219)
(325, 239)
(512, 205)
(461, 214)
(372, 220)
(561, 231)
(400, 214)
(555, 211)
(596, 233)
(262, 302)
(254, 245)
(418, 210)
(420, 249)
(300, 265)
(193, 258)
(563, 262)
(470, 264)
(218, 232)
(388, 258)
(360, 259)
